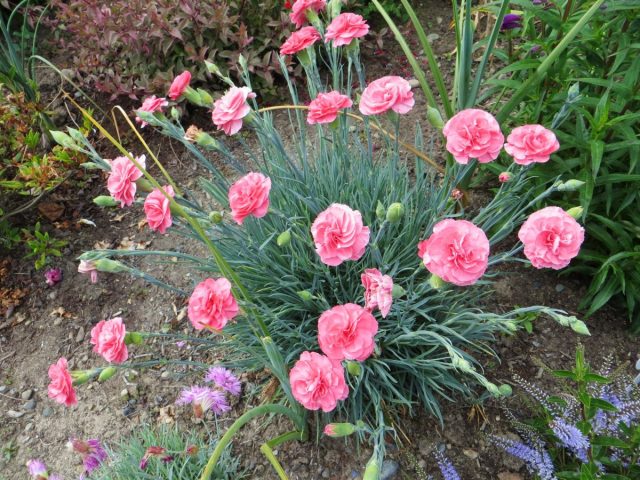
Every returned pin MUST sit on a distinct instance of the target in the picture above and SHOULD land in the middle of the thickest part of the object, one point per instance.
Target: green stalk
(407, 51)
(465, 57)
(239, 423)
(267, 452)
(431, 59)
(538, 75)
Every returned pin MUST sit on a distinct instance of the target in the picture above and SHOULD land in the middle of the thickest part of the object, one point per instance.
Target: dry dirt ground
(54, 322)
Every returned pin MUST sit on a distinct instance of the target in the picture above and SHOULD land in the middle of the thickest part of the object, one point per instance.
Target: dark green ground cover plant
(574, 66)
(588, 428)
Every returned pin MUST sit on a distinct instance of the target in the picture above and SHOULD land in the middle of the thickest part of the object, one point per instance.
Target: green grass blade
(417, 70)
(431, 59)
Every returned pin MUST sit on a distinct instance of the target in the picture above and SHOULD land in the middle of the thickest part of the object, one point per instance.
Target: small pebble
(80, 335)
(472, 454)
(326, 473)
(165, 375)
(27, 394)
(124, 394)
(52, 295)
(3, 389)
(432, 37)
(560, 288)
(30, 405)
(57, 321)
(128, 410)
(47, 412)
(14, 414)
(28, 427)
(389, 469)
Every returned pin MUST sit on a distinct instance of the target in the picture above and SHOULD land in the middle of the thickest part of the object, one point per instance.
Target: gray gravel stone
(47, 412)
(389, 470)
(14, 414)
(30, 405)
(27, 394)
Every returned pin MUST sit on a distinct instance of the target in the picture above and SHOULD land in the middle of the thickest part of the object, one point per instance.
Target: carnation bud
(397, 292)
(505, 390)
(395, 212)
(107, 373)
(461, 364)
(580, 327)
(284, 239)
(144, 185)
(194, 97)
(372, 470)
(205, 97)
(456, 194)
(337, 430)
(512, 326)
(192, 450)
(504, 177)
(576, 212)
(175, 113)
(570, 185)
(436, 282)
(492, 388)
(134, 338)
(81, 376)
(334, 8)
(380, 211)
(110, 266)
(105, 201)
(434, 117)
(305, 295)
(354, 368)
(207, 141)
(216, 217)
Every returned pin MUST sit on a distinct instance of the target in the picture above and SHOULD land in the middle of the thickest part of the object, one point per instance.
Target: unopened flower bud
(461, 364)
(334, 8)
(580, 327)
(53, 276)
(107, 373)
(110, 266)
(397, 292)
(81, 376)
(205, 97)
(504, 177)
(216, 217)
(492, 388)
(284, 239)
(434, 117)
(395, 212)
(436, 282)
(354, 368)
(576, 212)
(505, 390)
(175, 113)
(192, 450)
(456, 194)
(381, 212)
(105, 201)
(192, 134)
(570, 185)
(305, 295)
(512, 326)
(207, 141)
(372, 470)
(337, 430)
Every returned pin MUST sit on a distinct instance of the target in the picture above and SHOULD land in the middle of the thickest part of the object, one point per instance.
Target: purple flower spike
(446, 467)
(224, 379)
(203, 399)
(537, 459)
(511, 21)
(571, 438)
(53, 276)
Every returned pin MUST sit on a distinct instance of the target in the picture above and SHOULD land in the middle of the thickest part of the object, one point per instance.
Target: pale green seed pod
(395, 212)
(284, 239)
(434, 117)
(105, 201)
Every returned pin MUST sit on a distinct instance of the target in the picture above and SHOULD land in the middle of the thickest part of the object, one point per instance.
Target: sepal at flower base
(395, 212)
(107, 373)
(337, 430)
(110, 266)
(576, 212)
(397, 292)
(570, 185)
(305, 295)
(133, 338)
(436, 282)
(284, 239)
(354, 368)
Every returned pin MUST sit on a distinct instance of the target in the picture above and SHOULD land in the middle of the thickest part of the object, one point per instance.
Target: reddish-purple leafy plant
(132, 47)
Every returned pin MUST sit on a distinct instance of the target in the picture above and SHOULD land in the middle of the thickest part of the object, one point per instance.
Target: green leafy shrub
(589, 428)
(143, 44)
(42, 246)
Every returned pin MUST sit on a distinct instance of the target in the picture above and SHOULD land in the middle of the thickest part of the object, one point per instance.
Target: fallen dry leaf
(61, 312)
(102, 245)
(51, 211)
(129, 244)
(167, 414)
(142, 223)
(118, 218)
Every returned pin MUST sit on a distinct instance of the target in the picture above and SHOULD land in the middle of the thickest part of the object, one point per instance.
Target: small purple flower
(92, 451)
(53, 276)
(511, 21)
(55, 476)
(203, 399)
(143, 463)
(37, 468)
(180, 343)
(224, 379)
(446, 467)
(539, 2)
(571, 438)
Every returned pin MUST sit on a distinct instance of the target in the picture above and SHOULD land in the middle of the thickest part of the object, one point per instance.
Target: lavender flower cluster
(212, 398)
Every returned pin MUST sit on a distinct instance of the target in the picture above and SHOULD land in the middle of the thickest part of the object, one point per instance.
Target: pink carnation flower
(231, 108)
(378, 291)
(156, 209)
(303, 38)
(299, 9)
(387, 93)
(151, 104)
(108, 340)
(122, 179)
(473, 133)
(504, 177)
(89, 267)
(345, 28)
(61, 386)
(551, 238)
(457, 251)
(326, 106)
(249, 196)
(531, 144)
(339, 235)
(346, 332)
(212, 304)
(179, 85)
(317, 382)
